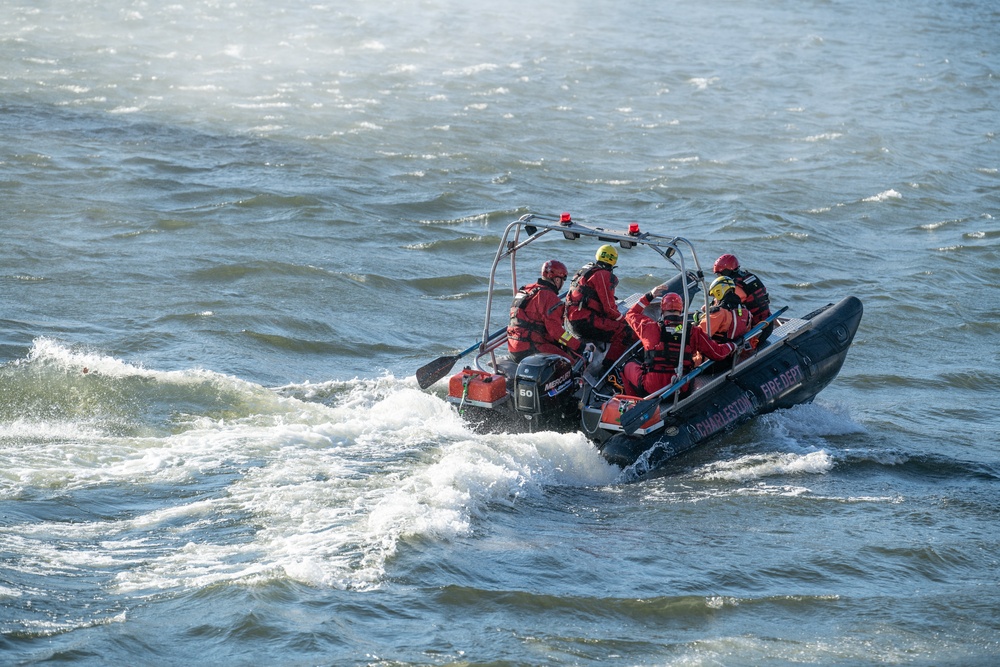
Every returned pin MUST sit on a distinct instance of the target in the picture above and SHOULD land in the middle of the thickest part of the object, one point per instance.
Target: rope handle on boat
(465, 391)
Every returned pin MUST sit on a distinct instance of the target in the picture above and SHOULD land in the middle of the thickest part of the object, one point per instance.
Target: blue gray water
(233, 231)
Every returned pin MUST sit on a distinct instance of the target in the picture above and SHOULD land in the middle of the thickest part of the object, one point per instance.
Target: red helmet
(671, 301)
(726, 262)
(554, 269)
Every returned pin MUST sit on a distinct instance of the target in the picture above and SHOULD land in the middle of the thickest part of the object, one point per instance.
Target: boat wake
(157, 481)
(787, 442)
(171, 480)
(802, 440)
(761, 466)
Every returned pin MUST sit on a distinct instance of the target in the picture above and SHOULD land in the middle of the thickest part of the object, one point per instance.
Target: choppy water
(232, 231)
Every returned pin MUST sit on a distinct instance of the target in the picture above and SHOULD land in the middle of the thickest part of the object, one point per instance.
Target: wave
(693, 622)
(883, 196)
(919, 466)
(217, 480)
(648, 609)
(785, 444)
(335, 517)
(232, 272)
(966, 379)
(758, 466)
(794, 452)
(485, 245)
(818, 439)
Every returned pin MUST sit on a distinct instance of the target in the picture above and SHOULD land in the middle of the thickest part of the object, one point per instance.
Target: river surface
(232, 231)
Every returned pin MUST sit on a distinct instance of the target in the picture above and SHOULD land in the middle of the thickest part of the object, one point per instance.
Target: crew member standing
(591, 308)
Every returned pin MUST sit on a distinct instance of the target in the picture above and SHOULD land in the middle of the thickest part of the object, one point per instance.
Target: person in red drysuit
(750, 289)
(662, 344)
(536, 317)
(728, 319)
(591, 308)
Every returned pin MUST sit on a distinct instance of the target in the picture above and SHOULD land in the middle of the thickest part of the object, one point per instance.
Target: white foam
(825, 136)
(51, 353)
(760, 466)
(883, 196)
(6, 592)
(797, 440)
(324, 480)
(702, 83)
(84, 426)
(804, 427)
(472, 70)
(333, 517)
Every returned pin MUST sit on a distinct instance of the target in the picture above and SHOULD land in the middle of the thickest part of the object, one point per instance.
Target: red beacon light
(633, 230)
(566, 220)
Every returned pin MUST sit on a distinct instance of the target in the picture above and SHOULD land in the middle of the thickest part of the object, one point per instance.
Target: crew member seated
(750, 289)
(536, 317)
(728, 319)
(661, 341)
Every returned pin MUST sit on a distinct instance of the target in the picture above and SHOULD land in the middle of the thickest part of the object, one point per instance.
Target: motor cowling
(543, 384)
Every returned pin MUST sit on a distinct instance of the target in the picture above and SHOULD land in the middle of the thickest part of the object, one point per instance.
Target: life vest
(520, 327)
(757, 299)
(728, 323)
(665, 360)
(582, 301)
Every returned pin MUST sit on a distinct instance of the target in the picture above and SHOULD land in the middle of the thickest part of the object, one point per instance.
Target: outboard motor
(544, 391)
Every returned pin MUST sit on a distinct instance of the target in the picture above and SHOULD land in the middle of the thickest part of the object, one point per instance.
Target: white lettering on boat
(789, 378)
(724, 417)
(557, 386)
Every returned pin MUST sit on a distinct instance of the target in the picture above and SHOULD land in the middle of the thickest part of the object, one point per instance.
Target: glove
(589, 350)
(656, 292)
(738, 342)
(696, 317)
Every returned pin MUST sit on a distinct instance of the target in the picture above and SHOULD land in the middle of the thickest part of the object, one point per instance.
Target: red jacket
(592, 297)
(536, 322)
(660, 369)
(727, 324)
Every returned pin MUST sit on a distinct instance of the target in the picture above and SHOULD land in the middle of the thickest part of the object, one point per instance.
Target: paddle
(430, 373)
(643, 410)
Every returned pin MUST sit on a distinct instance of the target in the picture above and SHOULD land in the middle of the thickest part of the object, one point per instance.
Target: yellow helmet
(720, 287)
(607, 254)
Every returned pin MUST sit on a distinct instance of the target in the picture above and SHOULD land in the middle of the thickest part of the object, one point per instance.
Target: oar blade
(430, 373)
(638, 415)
